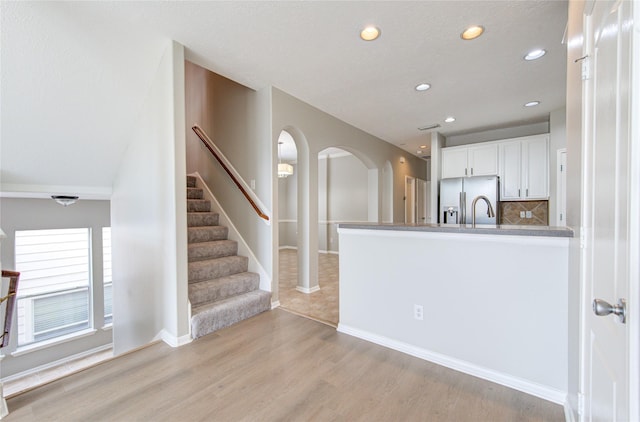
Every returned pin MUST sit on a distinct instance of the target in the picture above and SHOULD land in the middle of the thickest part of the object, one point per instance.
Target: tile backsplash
(510, 213)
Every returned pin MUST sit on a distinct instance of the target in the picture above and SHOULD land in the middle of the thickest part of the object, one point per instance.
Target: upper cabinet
(477, 160)
(524, 168)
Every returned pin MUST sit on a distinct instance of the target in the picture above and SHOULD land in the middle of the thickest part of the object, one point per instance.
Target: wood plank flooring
(275, 367)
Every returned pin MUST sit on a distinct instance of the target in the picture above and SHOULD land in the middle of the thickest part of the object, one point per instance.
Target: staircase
(221, 290)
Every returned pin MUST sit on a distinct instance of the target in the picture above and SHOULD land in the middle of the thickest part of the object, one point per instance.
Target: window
(54, 294)
(107, 281)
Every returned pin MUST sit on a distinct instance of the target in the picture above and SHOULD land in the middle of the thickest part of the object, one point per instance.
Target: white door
(421, 201)
(610, 214)
(561, 191)
(409, 199)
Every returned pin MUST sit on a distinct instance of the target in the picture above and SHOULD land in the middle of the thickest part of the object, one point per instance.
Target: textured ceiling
(75, 74)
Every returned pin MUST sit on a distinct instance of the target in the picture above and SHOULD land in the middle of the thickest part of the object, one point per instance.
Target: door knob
(602, 308)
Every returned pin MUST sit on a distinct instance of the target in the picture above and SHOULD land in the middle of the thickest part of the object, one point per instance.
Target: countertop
(507, 230)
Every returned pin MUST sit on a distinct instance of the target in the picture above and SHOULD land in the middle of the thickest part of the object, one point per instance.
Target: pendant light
(284, 169)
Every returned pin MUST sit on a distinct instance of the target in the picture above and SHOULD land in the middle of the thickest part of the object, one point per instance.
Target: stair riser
(206, 234)
(210, 320)
(209, 250)
(199, 219)
(221, 267)
(222, 288)
(198, 205)
(195, 193)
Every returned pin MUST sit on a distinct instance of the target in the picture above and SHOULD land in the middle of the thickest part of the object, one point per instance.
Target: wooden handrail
(228, 168)
(11, 302)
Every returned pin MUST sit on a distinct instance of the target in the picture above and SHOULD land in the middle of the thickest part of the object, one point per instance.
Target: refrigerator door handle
(463, 208)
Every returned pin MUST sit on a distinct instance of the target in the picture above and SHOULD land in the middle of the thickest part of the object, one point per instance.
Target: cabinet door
(535, 155)
(483, 160)
(510, 171)
(454, 162)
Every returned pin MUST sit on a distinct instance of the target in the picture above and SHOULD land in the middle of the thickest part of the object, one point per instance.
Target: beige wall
(237, 119)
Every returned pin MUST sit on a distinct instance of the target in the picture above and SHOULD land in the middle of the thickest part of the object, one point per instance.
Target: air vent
(429, 127)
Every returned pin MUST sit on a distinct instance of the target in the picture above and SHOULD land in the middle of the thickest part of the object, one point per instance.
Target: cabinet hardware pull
(472, 171)
(527, 192)
(518, 192)
(465, 172)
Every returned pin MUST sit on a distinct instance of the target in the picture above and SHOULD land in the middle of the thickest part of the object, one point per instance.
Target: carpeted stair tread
(220, 314)
(218, 267)
(206, 234)
(198, 205)
(195, 193)
(222, 288)
(191, 181)
(214, 249)
(200, 219)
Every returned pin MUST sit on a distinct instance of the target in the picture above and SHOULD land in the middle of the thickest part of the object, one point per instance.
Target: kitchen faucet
(490, 212)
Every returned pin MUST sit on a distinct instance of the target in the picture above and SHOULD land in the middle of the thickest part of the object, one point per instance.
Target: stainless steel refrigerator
(457, 195)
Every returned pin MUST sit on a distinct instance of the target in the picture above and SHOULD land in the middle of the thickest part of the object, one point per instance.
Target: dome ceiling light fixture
(535, 54)
(423, 86)
(472, 32)
(532, 103)
(65, 200)
(450, 119)
(370, 33)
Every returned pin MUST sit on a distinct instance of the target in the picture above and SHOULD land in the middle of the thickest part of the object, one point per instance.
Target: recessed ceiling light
(423, 146)
(422, 87)
(419, 151)
(450, 119)
(532, 103)
(370, 33)
(472, 32)
(535, 54)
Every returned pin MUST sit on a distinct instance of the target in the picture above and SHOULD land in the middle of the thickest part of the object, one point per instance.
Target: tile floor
(321, 305)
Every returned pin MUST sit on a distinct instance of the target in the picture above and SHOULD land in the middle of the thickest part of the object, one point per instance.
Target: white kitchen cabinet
(524, 168)
(478, 160)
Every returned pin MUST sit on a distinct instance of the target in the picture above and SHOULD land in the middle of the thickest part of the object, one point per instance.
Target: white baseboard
(308, 290)
(529, 387)
(174, 341)
(275, 304)
(58, 362)
(295, 248)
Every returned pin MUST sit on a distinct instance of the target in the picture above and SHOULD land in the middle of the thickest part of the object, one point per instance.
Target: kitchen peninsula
(490, 301)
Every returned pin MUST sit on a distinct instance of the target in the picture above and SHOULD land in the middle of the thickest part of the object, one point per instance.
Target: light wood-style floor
(275, 367)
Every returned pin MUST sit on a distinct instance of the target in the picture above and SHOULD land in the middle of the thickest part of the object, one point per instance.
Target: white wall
(41, 214)
(148, 211)
(497, 313)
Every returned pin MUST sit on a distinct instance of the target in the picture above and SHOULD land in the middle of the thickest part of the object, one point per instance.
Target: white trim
(29, 348)
(568, 412)
(174, 341)
(234, 234)
(287, 221)
(535, 389)
(331, 221)
(324, 251)
(289, 247)
(13, 190)
(65, 360)
(308, 290)
(275, 304)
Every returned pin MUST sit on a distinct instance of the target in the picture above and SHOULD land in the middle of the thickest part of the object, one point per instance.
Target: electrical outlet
(522, 214)
(528, 214)
(253, 184)
(418, 312)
